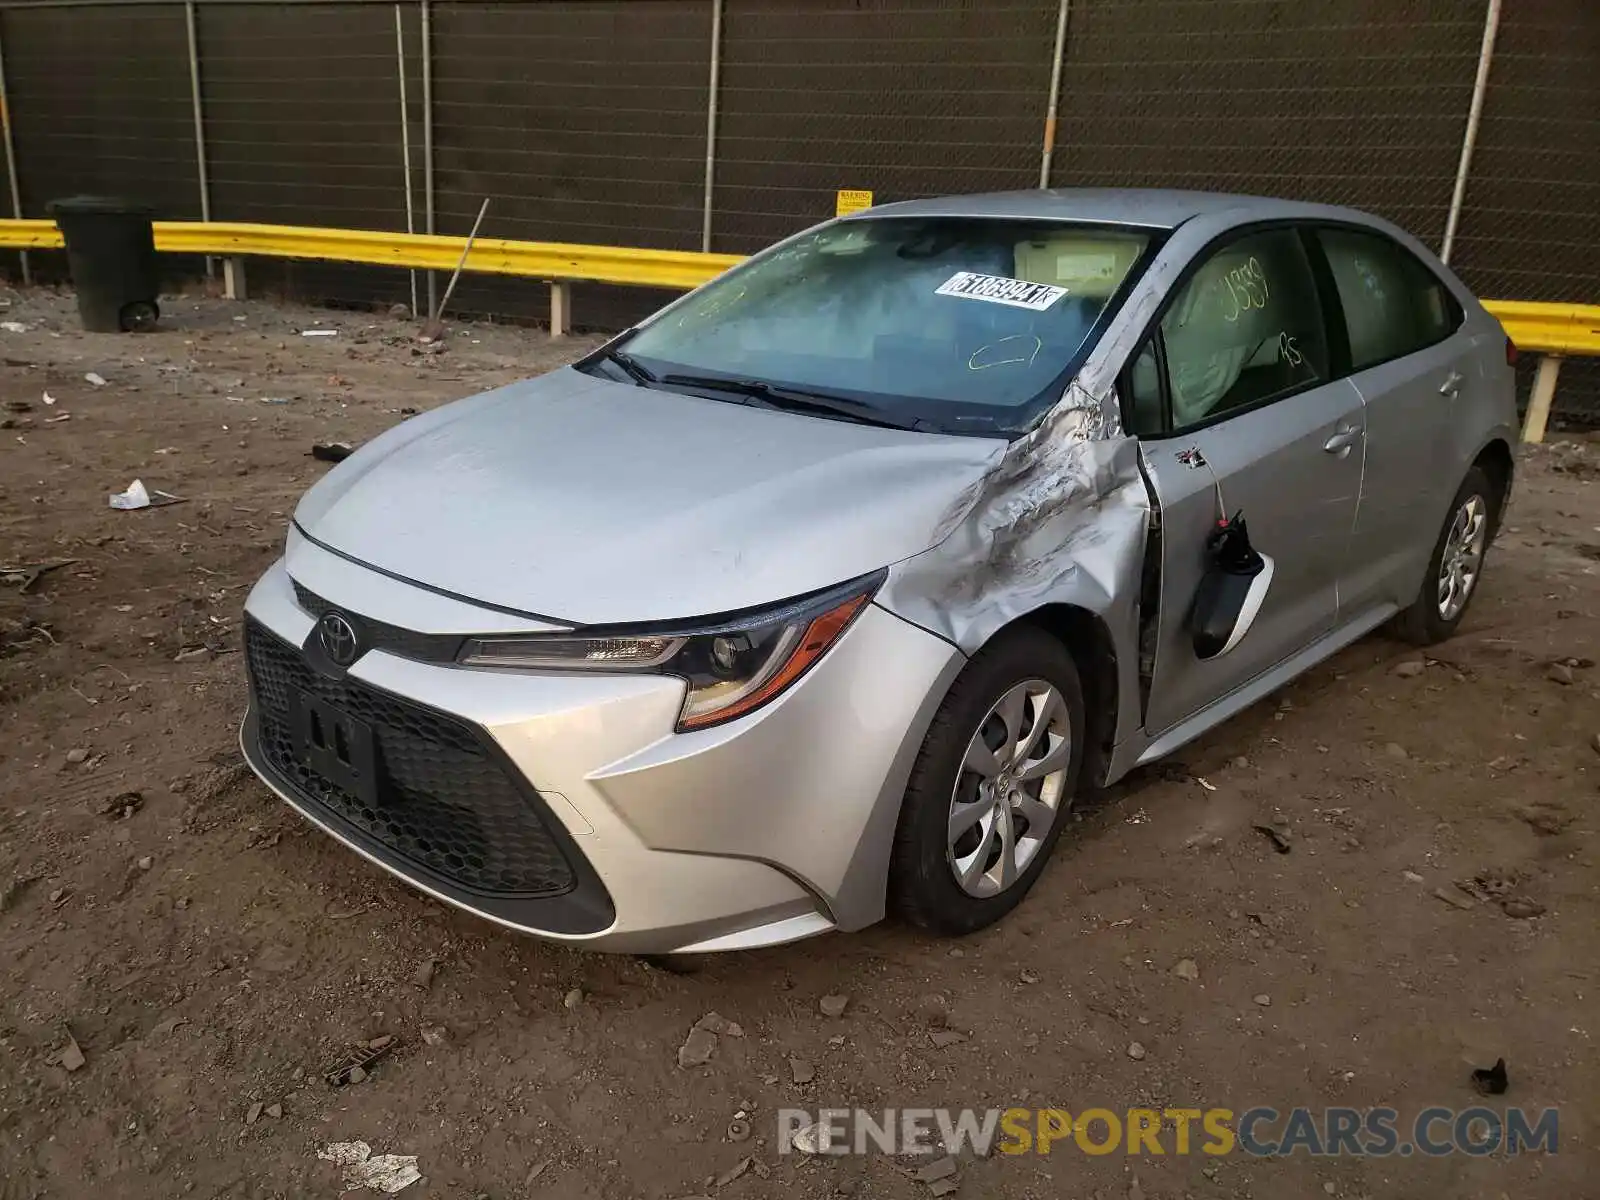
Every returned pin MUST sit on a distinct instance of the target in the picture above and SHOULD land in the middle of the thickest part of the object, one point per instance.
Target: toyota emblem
(338, 638)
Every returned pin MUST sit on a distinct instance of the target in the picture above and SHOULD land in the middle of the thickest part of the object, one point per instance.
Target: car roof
(1153, 208)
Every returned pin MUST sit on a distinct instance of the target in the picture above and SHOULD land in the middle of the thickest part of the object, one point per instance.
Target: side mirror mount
(1231, 592)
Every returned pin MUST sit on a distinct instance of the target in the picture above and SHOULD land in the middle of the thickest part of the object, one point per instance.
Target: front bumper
(564, 805)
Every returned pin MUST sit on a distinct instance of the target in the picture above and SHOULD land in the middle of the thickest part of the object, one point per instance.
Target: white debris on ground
(136, 496)
(389, 1173)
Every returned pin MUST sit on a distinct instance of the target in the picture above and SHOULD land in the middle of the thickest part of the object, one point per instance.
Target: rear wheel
(990, 792)
(139, 316)
(1456, 565)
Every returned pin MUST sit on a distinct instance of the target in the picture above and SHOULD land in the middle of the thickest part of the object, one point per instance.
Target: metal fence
(725, 124)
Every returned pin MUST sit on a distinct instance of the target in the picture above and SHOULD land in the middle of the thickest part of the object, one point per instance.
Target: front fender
(1062, 520)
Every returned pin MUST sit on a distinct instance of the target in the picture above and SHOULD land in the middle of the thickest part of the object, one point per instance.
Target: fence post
(1053, 107)
(405, 136)
(1480, 85)
(11, 156)
(200, 133)
(427, 143)
(713, 103)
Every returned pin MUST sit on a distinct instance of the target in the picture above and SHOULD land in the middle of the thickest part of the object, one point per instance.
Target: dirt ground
(210, 955)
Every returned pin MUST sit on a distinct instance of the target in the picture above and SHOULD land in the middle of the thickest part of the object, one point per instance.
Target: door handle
(1451, 385)
(1341, 441)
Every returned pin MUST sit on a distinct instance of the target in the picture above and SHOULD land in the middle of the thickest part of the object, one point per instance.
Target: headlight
(731, 667)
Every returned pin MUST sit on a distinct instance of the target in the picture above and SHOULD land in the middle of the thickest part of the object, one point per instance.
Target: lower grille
(443, 802)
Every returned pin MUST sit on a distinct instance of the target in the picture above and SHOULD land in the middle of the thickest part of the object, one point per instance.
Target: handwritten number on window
(1247, 288)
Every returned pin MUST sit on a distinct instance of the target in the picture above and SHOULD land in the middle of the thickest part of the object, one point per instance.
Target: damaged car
(822, 593)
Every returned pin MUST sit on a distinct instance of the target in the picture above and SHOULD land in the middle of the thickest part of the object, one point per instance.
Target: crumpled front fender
(1061, 519)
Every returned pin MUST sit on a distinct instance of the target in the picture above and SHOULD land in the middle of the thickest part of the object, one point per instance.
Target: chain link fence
(726, 124)
(901, 97)
(1346, 103)
(99, 101)
(585, 121)
(1530, 228)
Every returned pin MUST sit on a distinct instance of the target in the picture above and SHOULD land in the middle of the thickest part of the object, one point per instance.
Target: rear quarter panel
(1487, 410)
(1489, 413)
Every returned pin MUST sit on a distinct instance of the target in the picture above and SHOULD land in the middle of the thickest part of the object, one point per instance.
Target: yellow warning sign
(851, 200)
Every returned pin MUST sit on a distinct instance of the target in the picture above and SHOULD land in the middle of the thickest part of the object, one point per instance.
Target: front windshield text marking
(997, 289)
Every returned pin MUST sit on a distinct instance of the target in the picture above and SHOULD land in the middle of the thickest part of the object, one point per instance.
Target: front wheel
(989, 795)
(1456, 565)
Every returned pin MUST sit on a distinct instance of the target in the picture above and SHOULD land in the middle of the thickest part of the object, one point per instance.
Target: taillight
(1511, 353)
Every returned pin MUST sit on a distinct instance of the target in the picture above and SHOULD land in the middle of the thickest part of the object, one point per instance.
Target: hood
(586, 502)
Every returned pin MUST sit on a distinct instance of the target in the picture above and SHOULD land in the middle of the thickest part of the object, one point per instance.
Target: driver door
(1232, 398)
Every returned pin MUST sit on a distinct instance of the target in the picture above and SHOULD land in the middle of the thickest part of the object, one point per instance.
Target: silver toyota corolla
(822, 593)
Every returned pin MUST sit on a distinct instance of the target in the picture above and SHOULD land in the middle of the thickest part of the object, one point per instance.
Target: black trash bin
(111, 252)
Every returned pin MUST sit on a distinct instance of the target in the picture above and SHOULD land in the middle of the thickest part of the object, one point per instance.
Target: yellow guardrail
(678, 269)
(1551, 330)
(30, 235)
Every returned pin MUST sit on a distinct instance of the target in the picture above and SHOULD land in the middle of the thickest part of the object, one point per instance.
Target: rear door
(1414, 368)
(1232, 400)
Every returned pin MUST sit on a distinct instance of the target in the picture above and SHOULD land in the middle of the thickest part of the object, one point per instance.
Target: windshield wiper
(629, 364)
(796, 399)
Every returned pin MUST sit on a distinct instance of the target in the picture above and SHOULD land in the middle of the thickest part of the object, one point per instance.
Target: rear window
(1393, 305)
(965, 324)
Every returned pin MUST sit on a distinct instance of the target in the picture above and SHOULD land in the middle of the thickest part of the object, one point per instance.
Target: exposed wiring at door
(1194, 460)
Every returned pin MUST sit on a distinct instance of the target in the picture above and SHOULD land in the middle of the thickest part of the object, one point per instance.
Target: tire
(924, 887)
(1430, 620)
(139, 316)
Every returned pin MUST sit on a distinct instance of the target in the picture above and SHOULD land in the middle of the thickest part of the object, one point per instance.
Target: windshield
(956, 325)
